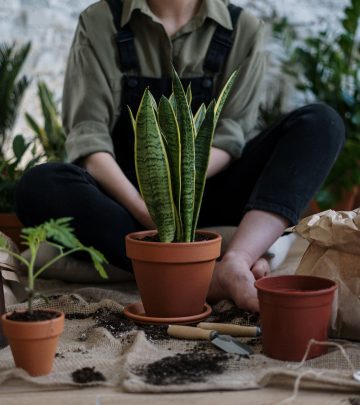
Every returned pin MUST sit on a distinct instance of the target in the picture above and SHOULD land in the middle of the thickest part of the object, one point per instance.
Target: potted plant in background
(19, 154)
(173, 265)
(327, 67)
(33, 334)
(51, 135)
(12, 90)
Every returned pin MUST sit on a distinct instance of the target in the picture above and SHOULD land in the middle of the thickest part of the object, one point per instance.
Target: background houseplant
(18, 154)
(326, 67)
(172, 148)
(50, 135)
(12, 88)
(33, 334)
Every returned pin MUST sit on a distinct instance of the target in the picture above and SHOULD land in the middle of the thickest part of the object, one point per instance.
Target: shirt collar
(215, 9)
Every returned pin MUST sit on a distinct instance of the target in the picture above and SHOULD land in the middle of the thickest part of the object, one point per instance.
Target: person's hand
(141, 213)
(233, 279)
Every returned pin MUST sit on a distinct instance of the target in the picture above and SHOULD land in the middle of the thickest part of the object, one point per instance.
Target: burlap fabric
(144, 359)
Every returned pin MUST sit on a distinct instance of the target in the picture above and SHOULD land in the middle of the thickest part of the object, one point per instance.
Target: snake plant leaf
(170, 130)
(173, 103)
(224, 94)
(187, 134)
(153, 171)
(132, 119)
(189, 94)
(203, 144)
(199, 117)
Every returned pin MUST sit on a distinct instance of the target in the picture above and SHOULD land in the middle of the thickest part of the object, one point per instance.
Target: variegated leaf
(202, 153)
(187, 135)
(170, 129)
(224, 94)
(152, 169)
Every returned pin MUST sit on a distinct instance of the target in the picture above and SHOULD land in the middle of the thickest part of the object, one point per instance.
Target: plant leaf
(187, 137)
(199, 116)
(169, 125)
(202, 153)
(224, 94)
(153, 171)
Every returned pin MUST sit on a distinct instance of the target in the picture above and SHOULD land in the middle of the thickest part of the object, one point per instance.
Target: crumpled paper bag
(334, 252)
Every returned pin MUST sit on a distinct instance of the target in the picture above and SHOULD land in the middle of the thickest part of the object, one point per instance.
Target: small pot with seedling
(173, 264)
(33, 333)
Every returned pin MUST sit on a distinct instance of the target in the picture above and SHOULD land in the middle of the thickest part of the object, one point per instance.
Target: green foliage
(57, 233)
(172, 149)
(12, 88)
(330, 64)
(51, 135)
(11, 169)
(18, 155)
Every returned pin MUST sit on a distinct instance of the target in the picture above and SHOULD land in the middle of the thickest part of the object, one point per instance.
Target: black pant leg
(280, 170)
(55, 190)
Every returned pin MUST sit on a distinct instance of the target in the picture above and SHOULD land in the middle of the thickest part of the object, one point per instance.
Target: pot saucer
(136, 312)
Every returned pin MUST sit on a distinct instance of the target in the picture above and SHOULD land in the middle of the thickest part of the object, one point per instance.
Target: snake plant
(172, 149)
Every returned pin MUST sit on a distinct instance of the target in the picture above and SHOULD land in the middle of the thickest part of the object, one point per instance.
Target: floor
(21, 393)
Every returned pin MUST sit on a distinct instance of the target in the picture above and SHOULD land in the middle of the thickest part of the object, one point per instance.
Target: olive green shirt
(93, 81)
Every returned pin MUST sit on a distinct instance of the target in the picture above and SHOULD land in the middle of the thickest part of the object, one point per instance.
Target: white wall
(50, 25)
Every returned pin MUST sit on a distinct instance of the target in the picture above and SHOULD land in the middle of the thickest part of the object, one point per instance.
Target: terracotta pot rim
(133, 236)
(58, 318)
(275, 291)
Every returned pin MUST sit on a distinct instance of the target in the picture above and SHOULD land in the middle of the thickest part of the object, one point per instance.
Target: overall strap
(221, 42)
(124, 38)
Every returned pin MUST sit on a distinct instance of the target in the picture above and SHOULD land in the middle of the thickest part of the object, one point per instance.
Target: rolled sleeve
(240, 113)
(88, 105)
(86, 138)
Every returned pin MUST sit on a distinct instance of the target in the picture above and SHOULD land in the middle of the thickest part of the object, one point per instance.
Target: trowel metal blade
(231, 345)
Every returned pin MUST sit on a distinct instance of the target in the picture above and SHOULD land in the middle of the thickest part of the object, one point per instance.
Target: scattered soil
(155, 332)
(114, 322)
(86, 375)
(184, 368)
(59, 356)
(78, 315)
(254, 342)
(34, 316)
(243, 317)
(354, 401)
(54, 297)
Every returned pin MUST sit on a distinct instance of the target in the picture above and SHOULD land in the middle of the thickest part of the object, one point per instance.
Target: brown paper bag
(334, 252)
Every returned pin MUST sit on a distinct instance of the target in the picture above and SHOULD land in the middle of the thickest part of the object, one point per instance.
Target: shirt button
(132, 82)
(206, 83)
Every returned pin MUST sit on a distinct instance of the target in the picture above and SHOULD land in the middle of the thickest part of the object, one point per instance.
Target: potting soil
(101, 347)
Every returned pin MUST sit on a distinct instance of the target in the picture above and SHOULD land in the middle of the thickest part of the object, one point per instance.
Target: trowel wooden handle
(188, 332)
(231, 329)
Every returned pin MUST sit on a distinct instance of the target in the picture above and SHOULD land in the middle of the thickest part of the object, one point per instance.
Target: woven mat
(144, 359)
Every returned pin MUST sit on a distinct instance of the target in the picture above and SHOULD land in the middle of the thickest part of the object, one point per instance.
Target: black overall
(279, 170)
(133, 87)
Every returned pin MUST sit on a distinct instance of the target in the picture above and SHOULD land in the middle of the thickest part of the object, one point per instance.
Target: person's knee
(33, 187)
(328, 124)
(323, 125)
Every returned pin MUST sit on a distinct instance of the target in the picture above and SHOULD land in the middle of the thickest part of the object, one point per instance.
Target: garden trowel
(223, 342)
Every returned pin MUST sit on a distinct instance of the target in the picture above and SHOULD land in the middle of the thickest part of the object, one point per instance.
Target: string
(295, 393)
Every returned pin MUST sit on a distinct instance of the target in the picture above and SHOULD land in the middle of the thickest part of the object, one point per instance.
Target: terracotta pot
(348, 200)
(11, 226)
(173, 278)
(293, 310)
(33, 344)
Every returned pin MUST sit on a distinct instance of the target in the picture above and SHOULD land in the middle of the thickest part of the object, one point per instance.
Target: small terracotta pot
(173, 278)
(293, 310)
(33, 344)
